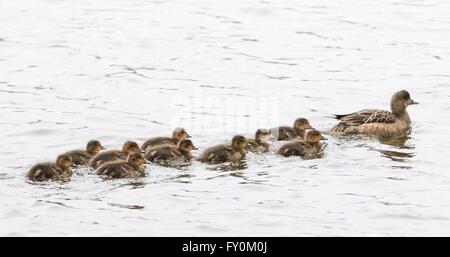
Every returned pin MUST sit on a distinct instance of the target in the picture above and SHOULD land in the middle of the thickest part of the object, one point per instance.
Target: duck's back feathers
(164, 153)
(367, 116)
(119, 169)
(44, 172)
(107, 156)
(157, 141)
(79, 157)
(254, 146)
(284, 133)
(220, 154)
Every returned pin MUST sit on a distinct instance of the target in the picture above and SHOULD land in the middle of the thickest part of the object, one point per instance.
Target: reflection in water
(127, 206)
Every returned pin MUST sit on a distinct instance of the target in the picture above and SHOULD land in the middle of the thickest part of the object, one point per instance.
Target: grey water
(71, 71)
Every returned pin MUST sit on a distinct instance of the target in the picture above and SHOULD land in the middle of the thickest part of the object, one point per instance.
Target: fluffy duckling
(177, 135)
(379, 122)
(309, 147)
(225, 153)
(132, 167)
(82, 157)
(58, 170)
(170, 153)
(114, 155)
(258, 145)
(289, 133)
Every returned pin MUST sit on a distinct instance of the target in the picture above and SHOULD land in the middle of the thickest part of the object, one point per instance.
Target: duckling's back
(157, 141)
(107, 156)
(44, 172)
(221, 153)
(118, 169)
(162, 153)
(79, 157)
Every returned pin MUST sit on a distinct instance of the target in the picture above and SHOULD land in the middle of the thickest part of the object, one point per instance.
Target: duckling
(114, 155)
(132, 167)
(58, 170)
(289, 133)
(82, 157)
(177, 135)
(309, 147)
(169, 152)
(379, 122)
(258, 145)
(225, 152)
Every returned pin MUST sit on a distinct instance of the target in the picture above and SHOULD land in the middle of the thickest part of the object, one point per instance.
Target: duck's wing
(366, 116)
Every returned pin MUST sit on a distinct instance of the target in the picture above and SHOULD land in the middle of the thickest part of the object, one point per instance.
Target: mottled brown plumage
(114, 155)
(82, 157)
(177, 135)
(258, 145)
(290, 133)
(379, 122)
(308, 148)
(171, 153)
(225, 152)
(59, 170)
(132, 167)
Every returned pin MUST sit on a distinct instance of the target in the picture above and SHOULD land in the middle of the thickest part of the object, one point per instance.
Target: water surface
(71, 71)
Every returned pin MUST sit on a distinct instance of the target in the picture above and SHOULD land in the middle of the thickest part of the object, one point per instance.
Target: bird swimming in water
(131, 168)
(59, 170)
(259, 145)
(290, 133)
(82, 157)
(379, 122)
(177, 135)
(114, 155)
(308, 148)
(225, 152)
(171, 153)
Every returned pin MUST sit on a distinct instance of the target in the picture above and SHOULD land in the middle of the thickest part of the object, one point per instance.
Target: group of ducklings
(304, 142)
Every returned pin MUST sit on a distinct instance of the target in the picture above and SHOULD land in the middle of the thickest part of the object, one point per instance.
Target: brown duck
(225, 152)
(114, 155)
(258, 145)
(379, 122)
(171, 153)
(289, 133)
(132, 167)
(308, 148)
(59, 170)
(177, 135)
(82, 157)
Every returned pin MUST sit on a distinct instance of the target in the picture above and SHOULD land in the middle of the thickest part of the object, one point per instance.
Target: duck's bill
(142, 151)
(188, 136)
(323, 138)
(414, 102)
(102, 148)
(194, 148)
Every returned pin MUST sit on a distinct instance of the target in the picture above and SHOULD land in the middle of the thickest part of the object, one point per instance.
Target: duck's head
(263, 134)
(186, 146)
(94, 146)
(136, 159)
(400, 101)
(239, 142)
(64, 161)
(131, 147)
(180, 134)
(302, 124)
(313, 136)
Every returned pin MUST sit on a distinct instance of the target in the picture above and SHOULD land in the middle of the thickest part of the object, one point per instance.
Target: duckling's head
(180, 134)
(94, 146)
(263, 134)
(302, 124)
(239, 141)
(186, 146)
(313, 136)
(136, 159)
(64, 161)
(400, 101)
(131, 147)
